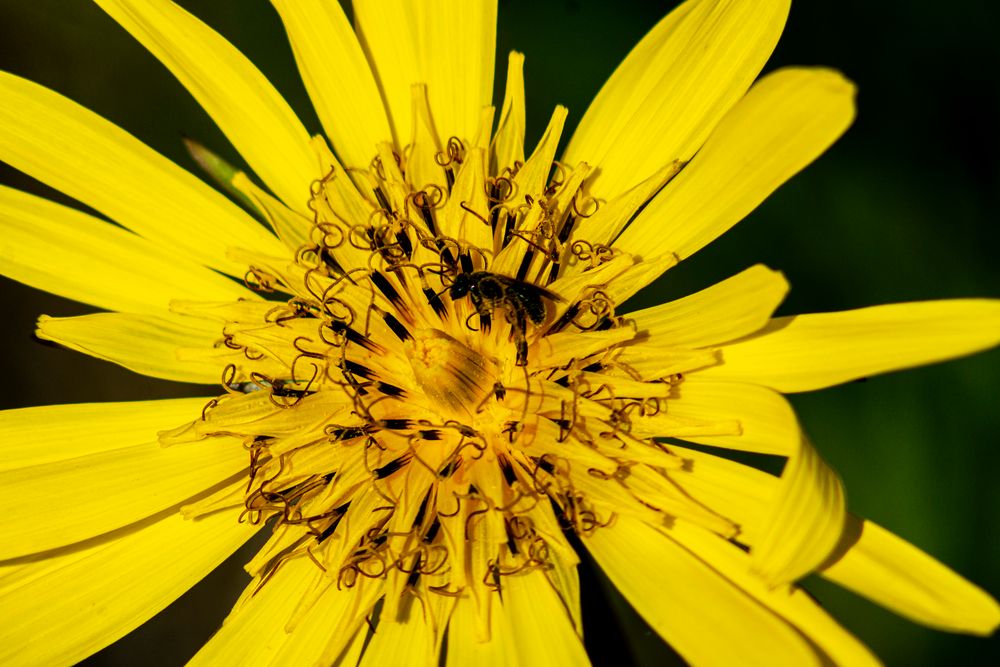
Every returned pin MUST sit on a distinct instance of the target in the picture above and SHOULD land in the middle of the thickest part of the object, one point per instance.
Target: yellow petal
(540, 627)
(226, 496)
(533, 176)
(703, 616)
(58, 503)
(738, 492)
(336, 73)
(409, 642)
(807, 352)
(388, 33)
(464, 648)
(458, 50)
(805, 522)
(639, 275)
(785, 121)
(448, 45)
(558, 348)
(310, 637)
(565, 580)
(508, 144)
(348, 634)
(484, 132)
(264, 627)
(653, 362)
(217, 168)
(60, 609)
(789, 602)
(351, 654)
(656, 489)
(69, 253)
(725, 311)
(60, 143)
(254, 632)
(245, 106)
(672, 89)
(612, 216)
(613, 275)
(469, 193)
(51, 433)
(145, 344)
(767, 422)
(425, 147)
(291, 227)
(897, 575)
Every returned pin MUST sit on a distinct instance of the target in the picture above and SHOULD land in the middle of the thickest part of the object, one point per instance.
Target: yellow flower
(433, 397)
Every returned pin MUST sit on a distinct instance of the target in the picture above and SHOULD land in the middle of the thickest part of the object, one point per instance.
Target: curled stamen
(372, 557)
(444, 590)
(331, 235)
(259, 280)
(631, 372)
(377, 168)
(228, 341)
(491, 579)
(469, 210)
(468, 520)
(208, 408)
(431, 197)
(458, 507)
(500, 189)
(511, 507)
(587, 213)
(347, 577)
(593, 311)
(297, 342)
(595, 394)
(453, 153)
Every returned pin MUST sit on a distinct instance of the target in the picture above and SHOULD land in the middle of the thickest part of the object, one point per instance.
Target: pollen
(453, 376)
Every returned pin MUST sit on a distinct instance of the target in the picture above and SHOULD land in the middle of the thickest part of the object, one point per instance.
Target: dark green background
(903, 208)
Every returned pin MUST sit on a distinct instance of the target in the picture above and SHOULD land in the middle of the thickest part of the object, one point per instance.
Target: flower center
(442, 393)
(456, 378)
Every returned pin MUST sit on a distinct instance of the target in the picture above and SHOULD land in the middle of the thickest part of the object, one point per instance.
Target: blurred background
(904, 207)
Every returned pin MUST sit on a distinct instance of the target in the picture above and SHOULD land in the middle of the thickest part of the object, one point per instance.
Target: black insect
(520, 301)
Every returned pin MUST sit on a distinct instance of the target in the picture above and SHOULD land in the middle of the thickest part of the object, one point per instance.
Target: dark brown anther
(386, 288)
(449, 468)
(354, 368)
(390, 389)
(526, 260)
(396, 424)
(391, 467)
(507, 468)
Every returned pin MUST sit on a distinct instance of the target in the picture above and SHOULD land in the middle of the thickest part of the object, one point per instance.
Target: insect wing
(531, 298)
(538, 292)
